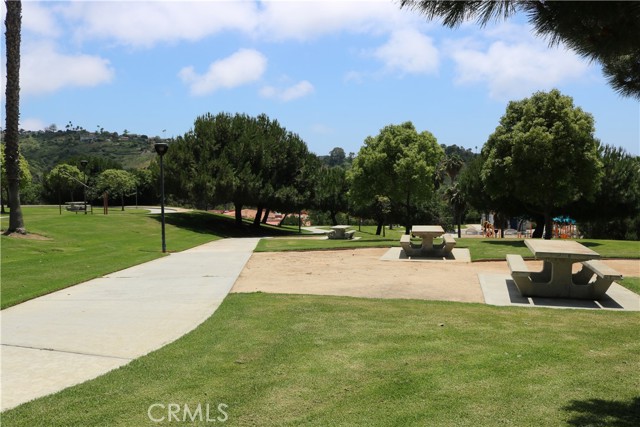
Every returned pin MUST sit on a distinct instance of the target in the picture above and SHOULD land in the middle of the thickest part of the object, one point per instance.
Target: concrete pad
(104, 323)
(456, 255)
(499, 289)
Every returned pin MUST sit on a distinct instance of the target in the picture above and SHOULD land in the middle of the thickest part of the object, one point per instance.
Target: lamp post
(161, 148)
(84, 184)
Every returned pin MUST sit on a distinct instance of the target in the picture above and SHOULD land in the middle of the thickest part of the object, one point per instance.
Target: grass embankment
(332, 361)
(80, 247)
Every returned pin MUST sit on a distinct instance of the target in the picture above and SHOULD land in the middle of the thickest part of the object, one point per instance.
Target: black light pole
(161, 148)
(84, 187)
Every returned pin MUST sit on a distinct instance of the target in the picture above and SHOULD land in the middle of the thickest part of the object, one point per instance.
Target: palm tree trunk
(13, 22)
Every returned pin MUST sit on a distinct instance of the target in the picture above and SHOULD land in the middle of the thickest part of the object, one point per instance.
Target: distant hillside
(45, 149)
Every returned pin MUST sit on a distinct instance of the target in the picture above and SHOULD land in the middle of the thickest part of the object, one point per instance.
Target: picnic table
(557, 280)
(340, 232)
(427, 233)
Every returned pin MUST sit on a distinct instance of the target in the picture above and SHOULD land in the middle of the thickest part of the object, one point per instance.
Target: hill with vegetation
(45, 149)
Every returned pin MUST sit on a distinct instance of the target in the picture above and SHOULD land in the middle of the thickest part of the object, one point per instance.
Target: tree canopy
(240, 159)
(607, 32)
(400, 164)
(25, 177)
(614, 212)
(116, 182)
(331, 191)
(543, 154)
(64, 178)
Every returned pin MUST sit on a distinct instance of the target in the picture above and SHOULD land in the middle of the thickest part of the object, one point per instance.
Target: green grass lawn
(333, 361)
(480, 249)
(632, 283)
(81, 247)
(292, 360)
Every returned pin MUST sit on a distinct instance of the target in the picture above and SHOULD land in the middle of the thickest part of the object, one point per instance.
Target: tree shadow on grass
(510, 243)
(220, 225)
(601, 413)
(590, 244)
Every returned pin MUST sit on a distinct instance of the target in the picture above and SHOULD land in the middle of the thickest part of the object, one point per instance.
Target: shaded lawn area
(291, 360)
(80, 247)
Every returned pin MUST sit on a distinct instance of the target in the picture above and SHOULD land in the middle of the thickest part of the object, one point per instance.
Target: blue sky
(333, 72)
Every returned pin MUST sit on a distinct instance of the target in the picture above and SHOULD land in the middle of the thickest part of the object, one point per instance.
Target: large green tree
(13, 24)
(544, 155)
(248, 161)
(25, 177)
(614, 212)
(398, 163)
(116, 182)
(63, 178)
(604, 31)
(331, 191)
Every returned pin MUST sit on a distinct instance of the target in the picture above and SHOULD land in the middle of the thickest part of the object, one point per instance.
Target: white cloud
(242, 67)
(44, 70)
(408, 52)
(290, 93)
(144, 24)
(304, 20)
(32, 124)
(515, 66)
(39, 20)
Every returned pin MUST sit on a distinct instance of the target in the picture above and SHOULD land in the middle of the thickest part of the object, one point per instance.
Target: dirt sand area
(361, 273)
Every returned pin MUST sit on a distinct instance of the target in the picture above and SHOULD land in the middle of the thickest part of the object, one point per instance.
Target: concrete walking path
(76, 334)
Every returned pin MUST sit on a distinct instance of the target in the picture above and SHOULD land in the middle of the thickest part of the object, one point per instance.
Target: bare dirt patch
(361, 273)
(28, 236)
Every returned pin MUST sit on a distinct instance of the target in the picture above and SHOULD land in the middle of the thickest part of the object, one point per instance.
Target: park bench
(604, 275)
(409, 248)
(520, 274)
(75, 207)
(517, 265)
(449, 243)
(349, 234)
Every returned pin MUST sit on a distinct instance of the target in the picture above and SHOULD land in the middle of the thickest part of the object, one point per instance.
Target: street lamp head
(161, 148)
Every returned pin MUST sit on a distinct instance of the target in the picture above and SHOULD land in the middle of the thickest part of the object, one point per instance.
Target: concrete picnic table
(340, 232)
(427, 233)
(557, 280)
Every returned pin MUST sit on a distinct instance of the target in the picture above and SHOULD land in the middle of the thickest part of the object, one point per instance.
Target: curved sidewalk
(78, 333)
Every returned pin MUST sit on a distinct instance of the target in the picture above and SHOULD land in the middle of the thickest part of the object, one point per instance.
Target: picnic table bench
(557, 280)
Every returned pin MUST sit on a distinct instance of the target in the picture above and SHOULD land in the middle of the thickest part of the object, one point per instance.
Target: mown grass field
(332, 361)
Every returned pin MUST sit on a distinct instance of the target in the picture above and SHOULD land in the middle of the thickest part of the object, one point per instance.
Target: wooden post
(105, 202)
